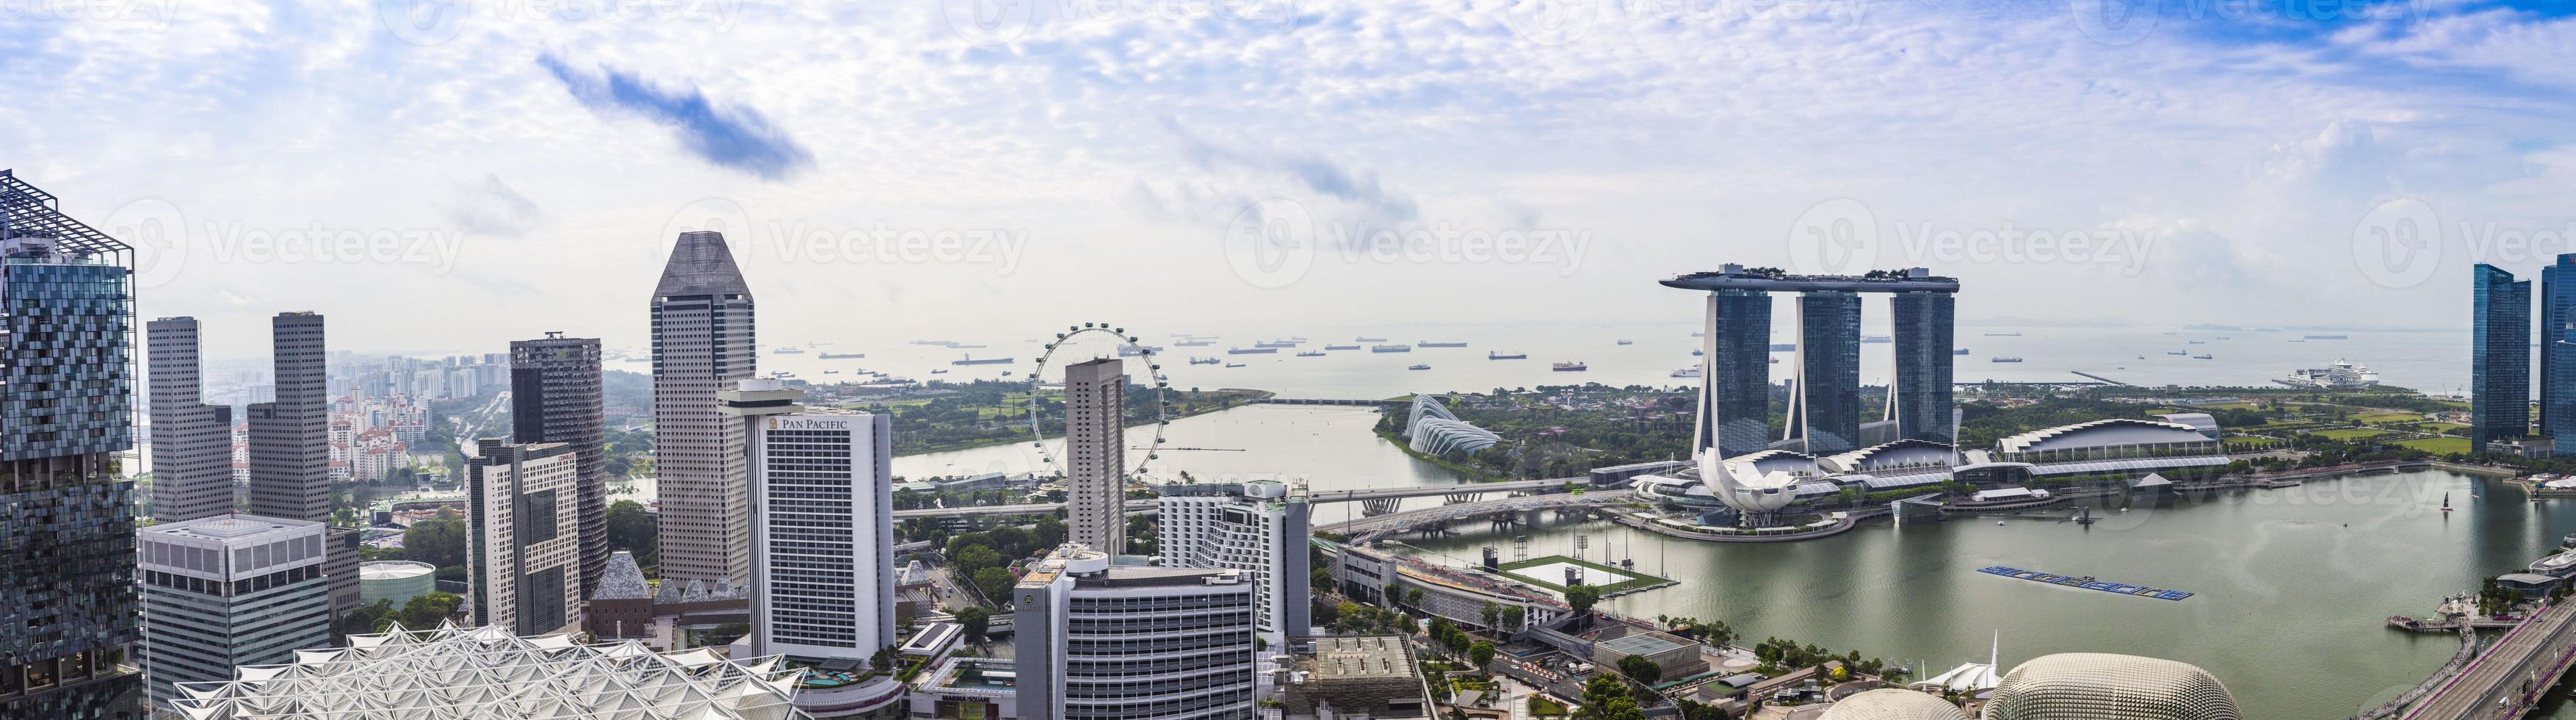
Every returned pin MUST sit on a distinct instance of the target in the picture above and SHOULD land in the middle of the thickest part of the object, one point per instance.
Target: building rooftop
(1649, 643)
(1737, 277)
(1351, 657)
(621, 579)
(232, 529)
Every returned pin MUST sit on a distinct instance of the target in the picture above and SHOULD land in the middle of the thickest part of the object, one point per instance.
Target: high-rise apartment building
(523, 536)
(2499, 357)
(66, 417)
(1095, 454)
(555, 398)
(702, 343)
(1260, 528)
(192, 442)
(822, 509)
(1096, 640)
(230, 590)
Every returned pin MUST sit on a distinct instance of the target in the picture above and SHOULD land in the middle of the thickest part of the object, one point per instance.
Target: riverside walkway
(2506, 680)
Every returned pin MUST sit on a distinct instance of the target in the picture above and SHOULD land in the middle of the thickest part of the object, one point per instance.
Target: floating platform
(2087, 582)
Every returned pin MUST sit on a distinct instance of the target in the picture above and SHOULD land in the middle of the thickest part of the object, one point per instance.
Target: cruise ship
(2342, 374)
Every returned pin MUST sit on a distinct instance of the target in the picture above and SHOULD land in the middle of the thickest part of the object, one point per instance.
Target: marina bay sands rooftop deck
(1737, 277)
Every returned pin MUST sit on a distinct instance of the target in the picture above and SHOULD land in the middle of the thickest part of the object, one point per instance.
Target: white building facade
(523, 554)
(1097, 641)
(1259, 528)
(229, 590)
(822, 519)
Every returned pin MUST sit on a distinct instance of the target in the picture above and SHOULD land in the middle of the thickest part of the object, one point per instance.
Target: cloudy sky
(446, 176)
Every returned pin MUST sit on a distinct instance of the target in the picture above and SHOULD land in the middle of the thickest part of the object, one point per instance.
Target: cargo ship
(1368, 340)
(1418, 367)
(1491, 355)
(1311, 353)
(1430, 344)
(1330, 346)
(1252, 351)
(2007, 358)
(843, 356)
(1576, 366)
(1204, 361)
(1390, 348)
(972, 360)
(1688, 372)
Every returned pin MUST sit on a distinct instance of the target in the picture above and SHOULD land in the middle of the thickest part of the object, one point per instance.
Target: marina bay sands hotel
(1824, 414)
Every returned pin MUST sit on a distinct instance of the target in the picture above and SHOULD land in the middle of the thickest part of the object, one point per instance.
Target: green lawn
(2390, 417)
(1543, 707)
(2239, 442)
(2446, 427)
(2349, 433)
(1634, 579)
(2227, 406)
(2438, 445)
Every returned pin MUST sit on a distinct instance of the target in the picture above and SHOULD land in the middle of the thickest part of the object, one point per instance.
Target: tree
(1492, 614)
(426, 611)
(366, 618)
(1606, 698)
(1582, 598)
(1482, 653)
(995, 583)
(977, 620)
(1512, 617)
(629, 528)
(1394, 595)
(1642, 668)
(438, 541)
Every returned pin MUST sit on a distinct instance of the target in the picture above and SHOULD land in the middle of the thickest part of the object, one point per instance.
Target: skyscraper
(2499, 357)
(192, 442)
(230, 590)
(1829, 374)
(1260, 528)
(822, 516)
(1096, 640)
(66, 414)
(2557, 371)
(1735, 390)
(290, 438)
(555, 398)
(702, 343)
(523, 536)
(1095, 442)
(1924, 325)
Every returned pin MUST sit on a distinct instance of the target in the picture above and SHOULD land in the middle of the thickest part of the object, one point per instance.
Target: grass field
(2239, 442)
(2349, 433)
(2384, 418)
(1552, 581)
(2446, 427)
(2438, 445)
(2227, 406)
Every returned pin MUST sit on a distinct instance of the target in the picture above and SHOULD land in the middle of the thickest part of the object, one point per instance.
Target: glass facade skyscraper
(1923, 322)
(1829, 376)
(2557, 312)
(1735, 385)
(66, 418)
(2499, 357)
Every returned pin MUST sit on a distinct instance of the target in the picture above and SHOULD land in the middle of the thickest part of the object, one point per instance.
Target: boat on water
(1491, 355)
(1252, 351)
(1418, 366)
(1688, 372)
(1390, 348)
(787, 351)
(940, 371)
(1275, 344)
(1193, 343)
(1627, 342)
(1234, 364)
(1876, 339)
(1430, 344)
(2446, 502)
(1136, 350)
(972, 360)
(1774, 361)
(2329, 337)
(1367, 340)
(1959, 351)
(831, 372)
(641, 359)
(2003, 334)
(1575, 366)
(2177, 352)
(1204, 361)
(2193, 342)
(1330, 346)
(1784, 347)
(2341, 374)
(842, 356)
(2202, 356)
(2007, 358)
(1311, 353)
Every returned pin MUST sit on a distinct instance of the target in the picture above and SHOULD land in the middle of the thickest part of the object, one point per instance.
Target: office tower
(555, 398)
(702, 343)
(1922, 388)
(523, 536)
(192, 442)
(230, 590)
(290, 438)
(2103, 686)
(2557, 318)
(2499, 357)
(452, 672)
(66, 414)
(1827, 413)
(1735, 374)
(822, 509)
(1086, 633)
(1259, 528)
(1095, 447)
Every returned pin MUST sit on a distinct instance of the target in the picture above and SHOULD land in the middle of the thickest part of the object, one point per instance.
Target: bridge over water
(2508, 679)
(1367, 529)
(1374, 501)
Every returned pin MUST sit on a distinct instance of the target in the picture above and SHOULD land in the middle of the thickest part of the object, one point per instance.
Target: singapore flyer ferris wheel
(1127, 346)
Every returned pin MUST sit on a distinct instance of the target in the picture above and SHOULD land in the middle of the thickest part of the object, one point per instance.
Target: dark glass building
(555, 398)
(2499, 357)
(1829, 377)
(1923, 325)
(2557, 314)
(1735, 389)
(68, 604)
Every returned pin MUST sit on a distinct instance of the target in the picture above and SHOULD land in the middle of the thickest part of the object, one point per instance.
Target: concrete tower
(702, 343)
(1095, 444)
(192, 442)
